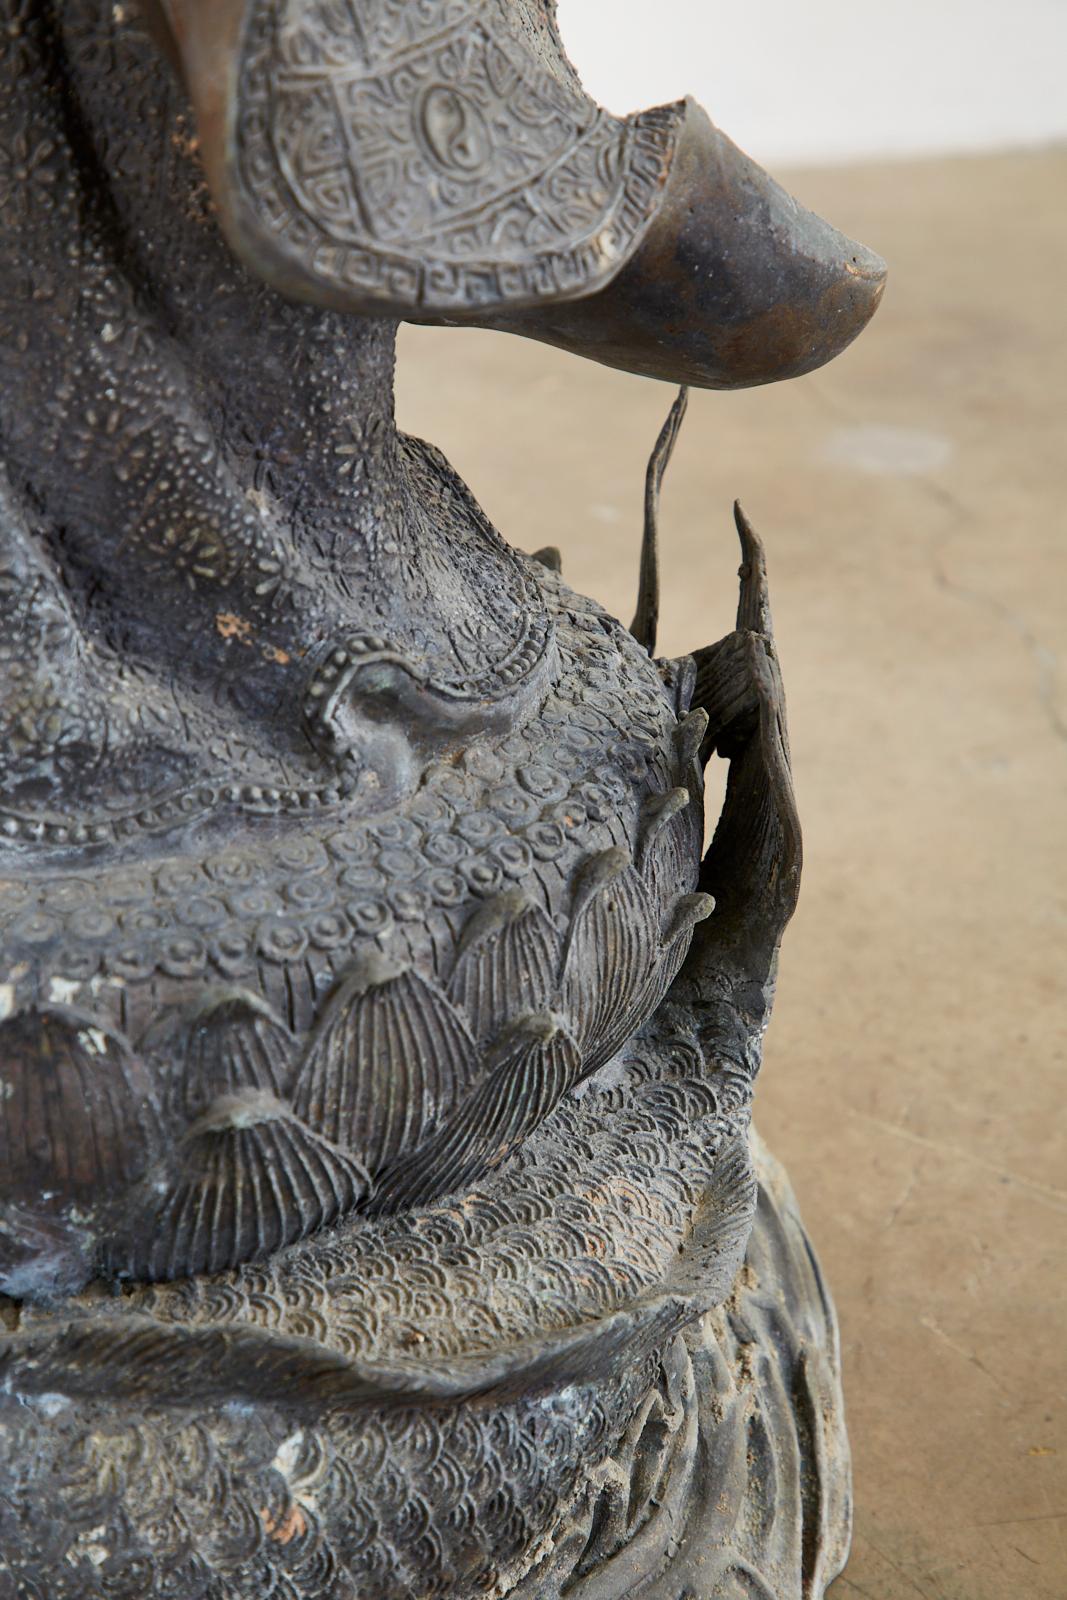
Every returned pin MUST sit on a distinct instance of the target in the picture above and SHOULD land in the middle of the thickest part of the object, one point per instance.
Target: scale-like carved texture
(630, 1204)
(604, 1475)
(756, 1501)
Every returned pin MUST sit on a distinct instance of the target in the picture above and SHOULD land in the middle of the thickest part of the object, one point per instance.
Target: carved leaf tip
(689, 735)
(687, 911)
(658, 813)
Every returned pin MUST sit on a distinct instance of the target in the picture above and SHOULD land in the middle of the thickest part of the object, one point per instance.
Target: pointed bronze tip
(733, 284)
(694, 266)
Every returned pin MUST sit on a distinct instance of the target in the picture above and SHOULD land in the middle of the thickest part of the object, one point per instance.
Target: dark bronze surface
(732, 284)
(378, 1215)
(446, 165)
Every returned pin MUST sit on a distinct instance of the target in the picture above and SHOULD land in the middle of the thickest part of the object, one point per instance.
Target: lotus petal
(612, 948)
(537, 1063)
(254, 1178)
(388, 1061)
(77, 1116)
(669, 842)
(507, 964)
(228, 1041)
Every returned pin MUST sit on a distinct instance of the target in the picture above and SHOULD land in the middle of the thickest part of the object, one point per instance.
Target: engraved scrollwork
(446, 168)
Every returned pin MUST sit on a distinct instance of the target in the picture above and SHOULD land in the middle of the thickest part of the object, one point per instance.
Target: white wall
(797, 81)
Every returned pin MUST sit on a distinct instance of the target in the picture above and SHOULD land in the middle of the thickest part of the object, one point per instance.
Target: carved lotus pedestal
(380, 1215)
(565, 1338)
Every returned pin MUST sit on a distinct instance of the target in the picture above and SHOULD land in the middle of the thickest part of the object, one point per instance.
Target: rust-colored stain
(231, 626)
(286, 1527)
(274, 653)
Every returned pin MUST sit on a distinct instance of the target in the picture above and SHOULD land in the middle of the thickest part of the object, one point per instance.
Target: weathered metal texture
(732, 284)
(376, 1051)
(444, 163)
(394, 158)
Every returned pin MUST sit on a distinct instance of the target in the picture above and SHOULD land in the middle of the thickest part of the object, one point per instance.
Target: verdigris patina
(379, 1211)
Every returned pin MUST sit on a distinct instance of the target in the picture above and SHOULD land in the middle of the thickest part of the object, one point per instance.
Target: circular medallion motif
(453, 130)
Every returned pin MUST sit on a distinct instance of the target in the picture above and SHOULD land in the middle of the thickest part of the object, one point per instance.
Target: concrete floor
(913, 497)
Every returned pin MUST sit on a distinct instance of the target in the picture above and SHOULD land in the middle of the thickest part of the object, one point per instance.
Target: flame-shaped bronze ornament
(380, 1215)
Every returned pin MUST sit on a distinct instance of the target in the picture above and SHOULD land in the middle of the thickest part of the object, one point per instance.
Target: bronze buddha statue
(378, 1214)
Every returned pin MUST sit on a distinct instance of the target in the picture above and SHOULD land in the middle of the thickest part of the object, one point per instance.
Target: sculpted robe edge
(380, 1214)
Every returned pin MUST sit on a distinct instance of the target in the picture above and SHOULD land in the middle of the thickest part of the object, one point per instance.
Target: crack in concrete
(958, 1349)
(922, 1593)
(1042, 1192)
(1046, 662)
(909, 1189)
(1010, 1522)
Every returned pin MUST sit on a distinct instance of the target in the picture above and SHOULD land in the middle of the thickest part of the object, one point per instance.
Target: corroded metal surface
(376, 1051)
